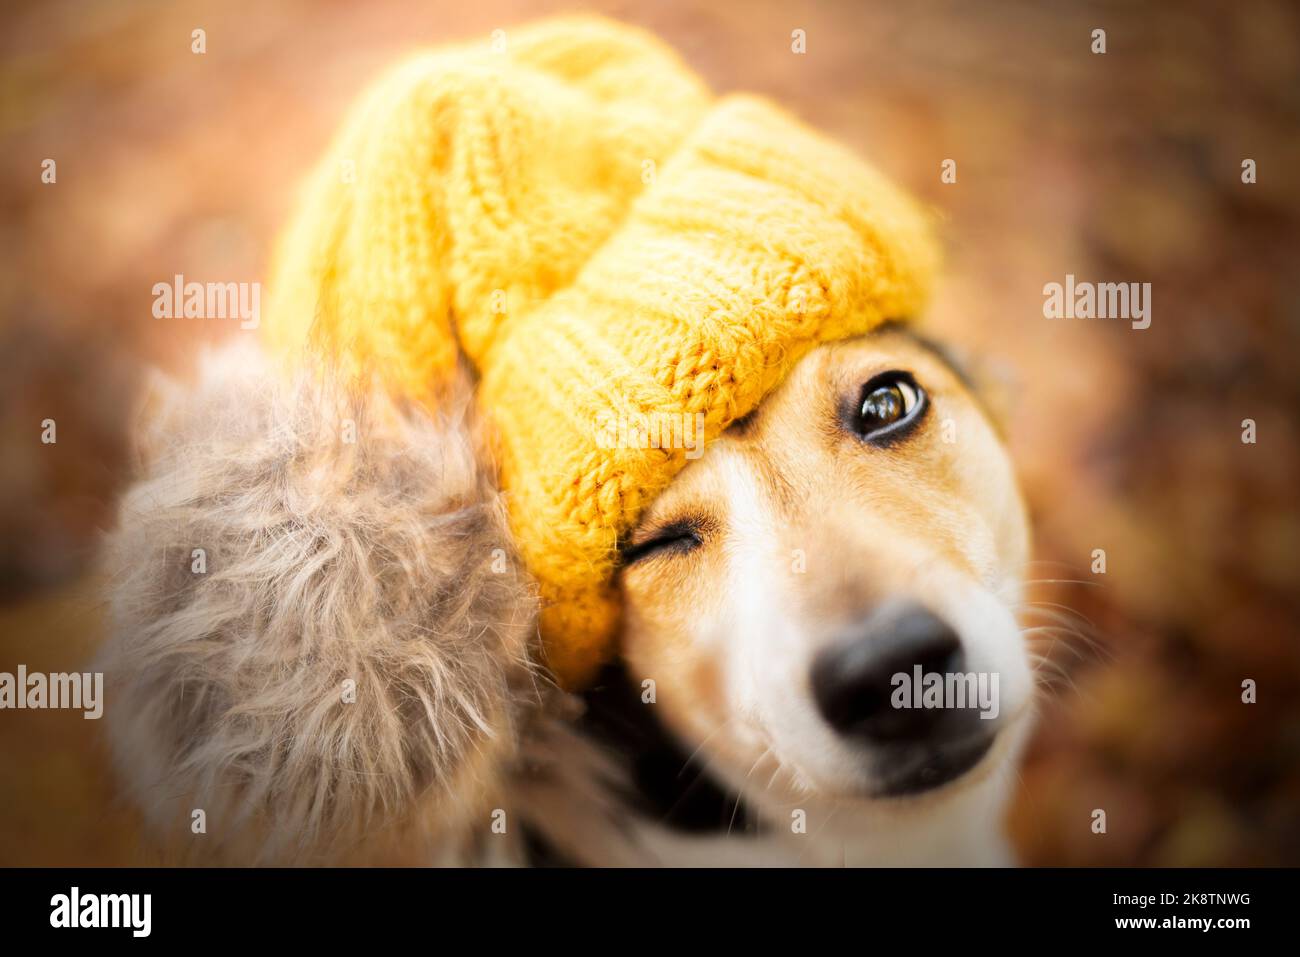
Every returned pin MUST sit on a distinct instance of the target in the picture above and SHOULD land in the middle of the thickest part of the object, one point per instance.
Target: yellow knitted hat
(571, 209)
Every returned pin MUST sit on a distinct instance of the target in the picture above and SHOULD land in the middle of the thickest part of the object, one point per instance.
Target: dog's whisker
(1047, 562)
(1077, 624)
(1071, 636)
(1054, 632)
(1048, 671)
(1051, 676)
(1060, 581)
(707, 738)
(740, 792)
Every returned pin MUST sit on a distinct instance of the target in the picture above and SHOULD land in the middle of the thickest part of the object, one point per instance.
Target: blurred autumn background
(1121, 167)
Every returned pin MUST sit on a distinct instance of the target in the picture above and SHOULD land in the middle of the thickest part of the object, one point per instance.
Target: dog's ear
(319, 632)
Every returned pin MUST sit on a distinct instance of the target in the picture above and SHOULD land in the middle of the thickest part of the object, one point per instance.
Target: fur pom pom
(319, 628)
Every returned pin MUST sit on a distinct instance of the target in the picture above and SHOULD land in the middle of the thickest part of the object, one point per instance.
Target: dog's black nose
(854, 681)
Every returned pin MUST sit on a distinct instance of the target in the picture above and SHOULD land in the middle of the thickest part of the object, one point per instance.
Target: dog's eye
(674, 539)
(889, 405)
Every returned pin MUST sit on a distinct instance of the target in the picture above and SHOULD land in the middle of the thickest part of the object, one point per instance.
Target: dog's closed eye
(888, 407)
(672, 538)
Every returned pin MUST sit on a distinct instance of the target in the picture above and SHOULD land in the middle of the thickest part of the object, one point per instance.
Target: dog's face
(861, 529)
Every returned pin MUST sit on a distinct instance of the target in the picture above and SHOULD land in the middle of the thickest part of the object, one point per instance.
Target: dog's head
(826, 599)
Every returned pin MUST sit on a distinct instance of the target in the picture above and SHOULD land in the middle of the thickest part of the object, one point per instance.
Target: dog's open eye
(890, 404)
(673, 539)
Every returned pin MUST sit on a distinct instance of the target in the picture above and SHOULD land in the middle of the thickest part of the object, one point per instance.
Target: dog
(776, 588)
(861, 528)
